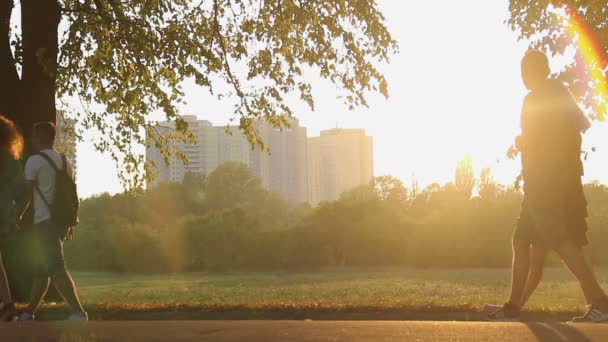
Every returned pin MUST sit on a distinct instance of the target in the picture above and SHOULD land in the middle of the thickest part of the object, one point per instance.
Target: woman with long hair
(11, 181)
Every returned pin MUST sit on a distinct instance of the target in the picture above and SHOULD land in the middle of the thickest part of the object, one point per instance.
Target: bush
(182, 227)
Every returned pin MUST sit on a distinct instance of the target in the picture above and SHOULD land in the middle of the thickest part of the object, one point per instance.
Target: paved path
(299, 331)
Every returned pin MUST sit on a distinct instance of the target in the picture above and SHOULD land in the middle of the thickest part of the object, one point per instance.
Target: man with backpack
(52, 191)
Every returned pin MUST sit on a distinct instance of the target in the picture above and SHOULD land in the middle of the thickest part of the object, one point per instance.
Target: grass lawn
(336, 291)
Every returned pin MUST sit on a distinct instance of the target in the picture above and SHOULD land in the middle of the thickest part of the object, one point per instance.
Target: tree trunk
(39, 24)
(28, 100)
(8, 70)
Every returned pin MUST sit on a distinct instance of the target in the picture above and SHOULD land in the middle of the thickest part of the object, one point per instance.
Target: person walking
(554, 210)
(11, 183)
(50, 187)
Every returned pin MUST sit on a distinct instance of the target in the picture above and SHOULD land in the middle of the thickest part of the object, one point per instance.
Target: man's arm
(520, 142)
(32, 167)
(25, 200)
(516, 148)
(581, 120)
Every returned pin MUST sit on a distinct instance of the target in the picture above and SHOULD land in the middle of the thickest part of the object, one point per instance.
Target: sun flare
(593, 57)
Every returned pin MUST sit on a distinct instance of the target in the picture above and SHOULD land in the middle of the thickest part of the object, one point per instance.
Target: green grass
(390, 289)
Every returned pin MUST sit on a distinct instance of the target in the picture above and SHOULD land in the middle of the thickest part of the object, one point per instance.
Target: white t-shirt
(37, 169)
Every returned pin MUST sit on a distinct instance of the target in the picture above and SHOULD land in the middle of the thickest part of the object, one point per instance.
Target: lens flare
(593, 57)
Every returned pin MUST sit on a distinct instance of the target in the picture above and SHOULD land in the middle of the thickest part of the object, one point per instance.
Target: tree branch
(231, 78)
(8, 67)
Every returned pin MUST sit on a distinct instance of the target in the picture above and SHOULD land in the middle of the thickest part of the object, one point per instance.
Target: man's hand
(512, 152)
(24, 202)
(15, 216)
(70, 235)
(515, 148)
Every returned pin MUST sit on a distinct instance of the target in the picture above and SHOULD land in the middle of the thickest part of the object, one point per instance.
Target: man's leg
(8, 309)
(537, 264)
(521, 241)
(521, 263)
(588, 261)
(574, 258)
(5, 292)
(39, 288)
(61, 277)
(555, 233)
(519, 271)
(535, 274)
(37, 249)
(65, 285)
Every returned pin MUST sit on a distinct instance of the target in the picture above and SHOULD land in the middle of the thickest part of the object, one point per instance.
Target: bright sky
(455, 90)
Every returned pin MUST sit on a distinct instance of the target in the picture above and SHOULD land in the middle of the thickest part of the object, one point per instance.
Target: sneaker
(8, 312)
(506, 313)
(78, 317)
(491, 308)
(594, 315)
(24, 317)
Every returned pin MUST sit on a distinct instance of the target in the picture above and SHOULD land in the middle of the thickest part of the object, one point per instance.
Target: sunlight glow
(456, 90)
(593, 56)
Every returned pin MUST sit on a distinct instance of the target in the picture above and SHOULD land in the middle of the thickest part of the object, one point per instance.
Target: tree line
(227, 221)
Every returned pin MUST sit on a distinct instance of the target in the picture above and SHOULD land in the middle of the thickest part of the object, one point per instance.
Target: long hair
(11, 139)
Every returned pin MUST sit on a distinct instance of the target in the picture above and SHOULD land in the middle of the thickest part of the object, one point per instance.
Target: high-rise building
(287, 162)
(233, 146)
(338, 160)
(283, 169)
(203, 156)
(301, 169)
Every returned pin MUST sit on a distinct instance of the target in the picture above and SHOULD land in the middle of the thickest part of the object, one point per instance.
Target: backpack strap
(50, 161)
(65, 163)
(46, 203)
(57, 171)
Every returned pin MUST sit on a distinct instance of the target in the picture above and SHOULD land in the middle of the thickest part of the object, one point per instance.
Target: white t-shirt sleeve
(32, 168)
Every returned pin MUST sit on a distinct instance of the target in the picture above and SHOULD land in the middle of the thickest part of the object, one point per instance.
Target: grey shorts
(45, 247)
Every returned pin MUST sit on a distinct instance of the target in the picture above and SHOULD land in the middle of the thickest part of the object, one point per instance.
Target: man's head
(43, 135)
(534, 69)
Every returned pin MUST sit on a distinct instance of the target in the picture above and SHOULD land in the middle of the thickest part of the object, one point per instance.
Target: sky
(455, 90)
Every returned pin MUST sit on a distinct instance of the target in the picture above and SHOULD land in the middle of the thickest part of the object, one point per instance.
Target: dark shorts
(552, 214)
(45, 247)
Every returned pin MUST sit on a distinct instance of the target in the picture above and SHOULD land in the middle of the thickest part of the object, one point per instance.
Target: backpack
(64, 210)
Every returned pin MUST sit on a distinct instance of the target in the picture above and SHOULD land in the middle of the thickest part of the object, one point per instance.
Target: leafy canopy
(132, 57)
(541, 23)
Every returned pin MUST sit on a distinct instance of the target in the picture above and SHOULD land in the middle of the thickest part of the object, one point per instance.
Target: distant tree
(439, 228)
(132, 58)
(390, 189)
(193, 180)
(232, 185)
(220, 239)
(488, 188)
(415, 188)
(465, 177)
(597, 194)
(160, 205)
(193, 191)
(542, 23)
(361, 193)
(419, 203)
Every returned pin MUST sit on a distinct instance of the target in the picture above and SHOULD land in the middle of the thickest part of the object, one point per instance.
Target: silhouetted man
(46, 248)
(554, 210)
